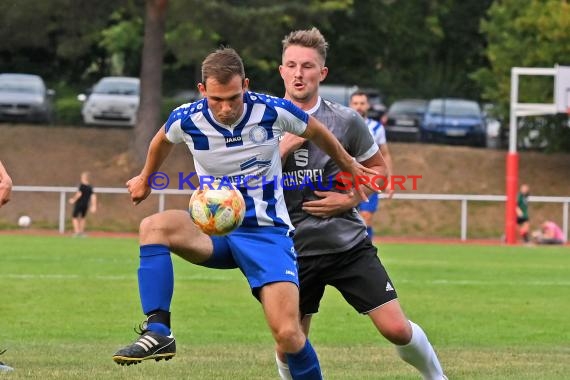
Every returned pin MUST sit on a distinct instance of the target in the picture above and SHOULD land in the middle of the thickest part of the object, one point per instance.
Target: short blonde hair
(309, 38)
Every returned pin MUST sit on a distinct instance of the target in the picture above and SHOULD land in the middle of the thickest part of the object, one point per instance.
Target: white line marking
(214, 277)
(40, 276)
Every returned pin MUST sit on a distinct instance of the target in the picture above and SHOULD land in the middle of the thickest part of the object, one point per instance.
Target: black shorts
(358, 274)
(521, 220)
(79, 210)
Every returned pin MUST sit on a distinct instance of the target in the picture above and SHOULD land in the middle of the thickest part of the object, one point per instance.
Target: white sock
(282, 369)
(421, 355)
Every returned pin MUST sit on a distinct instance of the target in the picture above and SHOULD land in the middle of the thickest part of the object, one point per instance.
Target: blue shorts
(371, 205)
(263, 254)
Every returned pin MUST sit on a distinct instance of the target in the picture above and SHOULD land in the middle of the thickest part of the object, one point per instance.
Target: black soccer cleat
(4, 367)
(150, 345)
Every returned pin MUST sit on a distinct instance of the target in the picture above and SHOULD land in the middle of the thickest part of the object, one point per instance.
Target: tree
(123, 43)
(58, 39)
(151, 77)
(534, 35)
(408, 48)
(254, 28)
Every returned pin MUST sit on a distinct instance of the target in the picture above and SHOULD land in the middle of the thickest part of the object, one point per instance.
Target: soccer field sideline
(377, 239)
(210, 277)
(492, 312)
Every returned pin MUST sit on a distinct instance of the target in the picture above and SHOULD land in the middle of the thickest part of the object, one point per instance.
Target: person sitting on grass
(549, 233)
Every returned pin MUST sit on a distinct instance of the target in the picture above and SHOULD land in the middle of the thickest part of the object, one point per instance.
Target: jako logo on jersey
(301, 157)
(233, 139)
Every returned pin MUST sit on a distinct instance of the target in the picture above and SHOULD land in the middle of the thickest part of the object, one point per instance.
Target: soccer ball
(217, 209)
(24, 221)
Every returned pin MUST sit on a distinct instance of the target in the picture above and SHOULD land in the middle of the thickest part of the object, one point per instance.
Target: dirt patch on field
(55, 156)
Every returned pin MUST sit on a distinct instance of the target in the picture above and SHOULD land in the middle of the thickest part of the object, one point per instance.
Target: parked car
(113, 101)
(337, 93)
(24, 97)
(454, 121)
(404, 118)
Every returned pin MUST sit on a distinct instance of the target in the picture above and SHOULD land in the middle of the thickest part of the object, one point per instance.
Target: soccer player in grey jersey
(330, 238)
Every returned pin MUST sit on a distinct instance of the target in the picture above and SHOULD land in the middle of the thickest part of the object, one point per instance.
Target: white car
(113, 101)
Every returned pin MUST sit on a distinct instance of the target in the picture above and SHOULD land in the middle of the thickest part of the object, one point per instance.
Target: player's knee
(152, 226)
(289, 339)
(398, 332)
(146, 226)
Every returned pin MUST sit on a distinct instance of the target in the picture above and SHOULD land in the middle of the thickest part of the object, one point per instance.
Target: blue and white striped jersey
(377, 130)
(248, 148)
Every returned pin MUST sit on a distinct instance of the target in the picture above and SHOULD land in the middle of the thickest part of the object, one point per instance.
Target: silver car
(24, 97)
(113, 101)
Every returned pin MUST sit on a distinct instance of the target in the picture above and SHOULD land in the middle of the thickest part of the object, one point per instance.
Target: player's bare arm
(159, 149)
(334, 203)
(324, 139)
(288, 144)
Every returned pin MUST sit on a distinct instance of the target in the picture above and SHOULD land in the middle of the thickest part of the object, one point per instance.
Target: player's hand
(139, 189)
(5, 192)
(331, 203)
(361, 178)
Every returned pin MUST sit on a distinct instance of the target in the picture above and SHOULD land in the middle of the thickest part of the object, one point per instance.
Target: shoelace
(1, 352)
(141, 328)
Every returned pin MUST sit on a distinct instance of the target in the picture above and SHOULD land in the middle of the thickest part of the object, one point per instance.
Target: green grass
(491, 312)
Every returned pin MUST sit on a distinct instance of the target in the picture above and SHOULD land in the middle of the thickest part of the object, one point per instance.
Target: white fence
(463, 198)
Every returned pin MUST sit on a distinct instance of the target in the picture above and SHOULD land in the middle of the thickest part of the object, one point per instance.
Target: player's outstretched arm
(332, 203)
(138, 186)
(325, 140)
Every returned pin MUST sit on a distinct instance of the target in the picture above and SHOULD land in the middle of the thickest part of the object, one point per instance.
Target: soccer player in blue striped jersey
(230, 133)
(359, 103)
(330, 238)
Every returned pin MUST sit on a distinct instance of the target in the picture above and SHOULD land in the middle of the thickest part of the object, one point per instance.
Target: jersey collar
(315, 107)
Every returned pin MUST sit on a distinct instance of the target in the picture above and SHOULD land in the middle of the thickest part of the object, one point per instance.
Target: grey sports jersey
(314, 235)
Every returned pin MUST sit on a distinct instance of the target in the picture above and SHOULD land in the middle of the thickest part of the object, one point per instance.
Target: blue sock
(304, 365)
(156, 282)
(370, 232)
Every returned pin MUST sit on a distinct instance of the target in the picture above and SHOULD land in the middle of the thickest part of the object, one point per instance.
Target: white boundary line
(32, 276)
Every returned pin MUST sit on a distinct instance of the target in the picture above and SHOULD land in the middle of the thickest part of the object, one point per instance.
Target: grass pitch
(66, 305)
